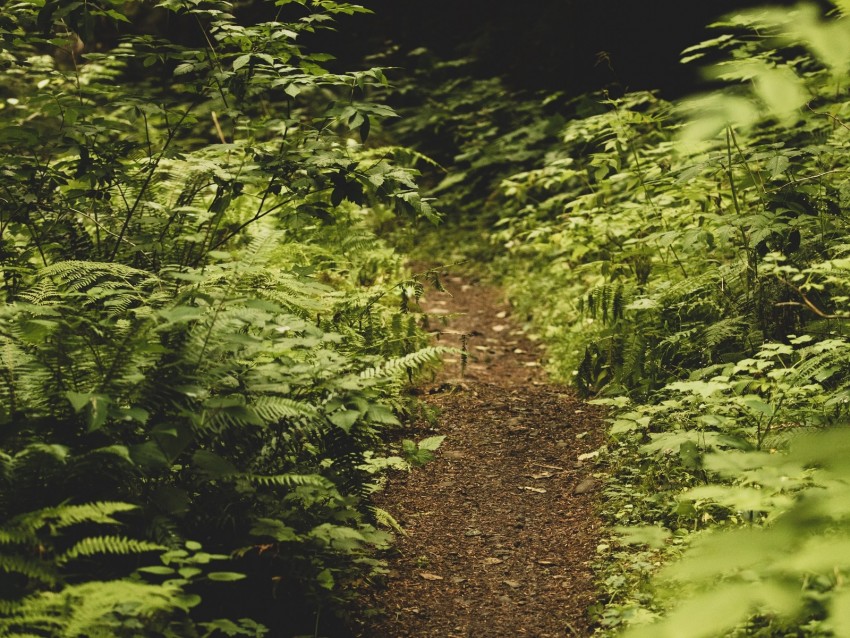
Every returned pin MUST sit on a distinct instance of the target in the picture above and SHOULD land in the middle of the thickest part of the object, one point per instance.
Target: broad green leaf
(345, 419)
(650, 535)
(212, 465)
(241, 61)
(432, 443)
(225, 576)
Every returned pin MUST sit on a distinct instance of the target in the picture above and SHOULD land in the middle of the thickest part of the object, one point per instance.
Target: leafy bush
(202, 340)
(693, 255)
(686, 263)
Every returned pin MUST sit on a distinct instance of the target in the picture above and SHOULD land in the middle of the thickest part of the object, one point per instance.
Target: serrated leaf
(432, 443)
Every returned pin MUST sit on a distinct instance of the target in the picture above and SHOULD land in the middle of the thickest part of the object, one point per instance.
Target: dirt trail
(501, 525)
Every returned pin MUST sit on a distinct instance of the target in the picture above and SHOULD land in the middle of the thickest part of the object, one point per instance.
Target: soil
(501, 526)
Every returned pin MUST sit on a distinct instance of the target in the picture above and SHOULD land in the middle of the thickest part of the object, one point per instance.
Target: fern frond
(393, 368)
(14, 536)
(34, 569)
(383, 517)
(714, 334)
(81, 275)
(275, 409)
(94, 609)
(824, 360)
(66, 515)
(115, 545)
(294, 480)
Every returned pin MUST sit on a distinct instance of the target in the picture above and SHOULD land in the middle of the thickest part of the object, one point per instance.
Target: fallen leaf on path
(585, 486)
(472, 532)
(428, 576)
(513, 584)
(538, 490)
(492, 561)
(499, 328)
(501, 315)
(588, 455)
(546, 563)
(542, 475)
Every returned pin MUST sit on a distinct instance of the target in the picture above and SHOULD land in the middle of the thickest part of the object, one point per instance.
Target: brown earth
(501, 526)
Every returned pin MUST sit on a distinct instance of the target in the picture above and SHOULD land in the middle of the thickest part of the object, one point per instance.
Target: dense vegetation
(202, 338)
(207, 333)
(687, 264)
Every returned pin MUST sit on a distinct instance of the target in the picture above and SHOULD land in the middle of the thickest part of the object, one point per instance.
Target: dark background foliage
(571, 45)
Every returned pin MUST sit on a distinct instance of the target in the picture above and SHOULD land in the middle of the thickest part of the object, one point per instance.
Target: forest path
(501, 524)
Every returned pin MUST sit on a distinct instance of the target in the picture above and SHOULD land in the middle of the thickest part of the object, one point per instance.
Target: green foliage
(678, 249)
(686, 264)
(422, 452)
(201, 331)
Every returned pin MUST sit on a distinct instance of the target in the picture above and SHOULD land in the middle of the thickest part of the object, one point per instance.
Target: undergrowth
(687, 264)
(202, 341)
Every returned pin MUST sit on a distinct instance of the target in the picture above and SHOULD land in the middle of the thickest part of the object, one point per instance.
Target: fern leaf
(114, 545)
(67, 515)
(274, 409)
(398, 366)
(383, 517)
(36, 570)
(294, 480)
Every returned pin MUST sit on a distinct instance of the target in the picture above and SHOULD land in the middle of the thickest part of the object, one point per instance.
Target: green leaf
(650, 535)
(241, 61)
(78, 400)
(365, 128)
(777, 165)
(344, 419)
(325, 579)
(432, 443)
(212, 465)
(226, 576)
(159, 570)
(181, 314)
(99, 412)
(274, 529)
(149, 456)
(703, 616)
(758, 406)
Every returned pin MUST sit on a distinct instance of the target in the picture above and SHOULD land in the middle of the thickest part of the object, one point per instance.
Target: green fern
(295, 480)
(105, 545)
(95, 609)
(398, 366)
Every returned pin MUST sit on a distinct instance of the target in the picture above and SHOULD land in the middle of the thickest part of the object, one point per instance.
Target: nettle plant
(202, 338)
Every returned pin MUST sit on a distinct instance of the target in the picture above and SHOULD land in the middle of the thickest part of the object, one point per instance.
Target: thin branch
(218, 128)
(807, 303)
(808, 179)
(151, 170)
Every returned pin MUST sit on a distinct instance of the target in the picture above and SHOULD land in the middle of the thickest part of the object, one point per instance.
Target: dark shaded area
(571, 45)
